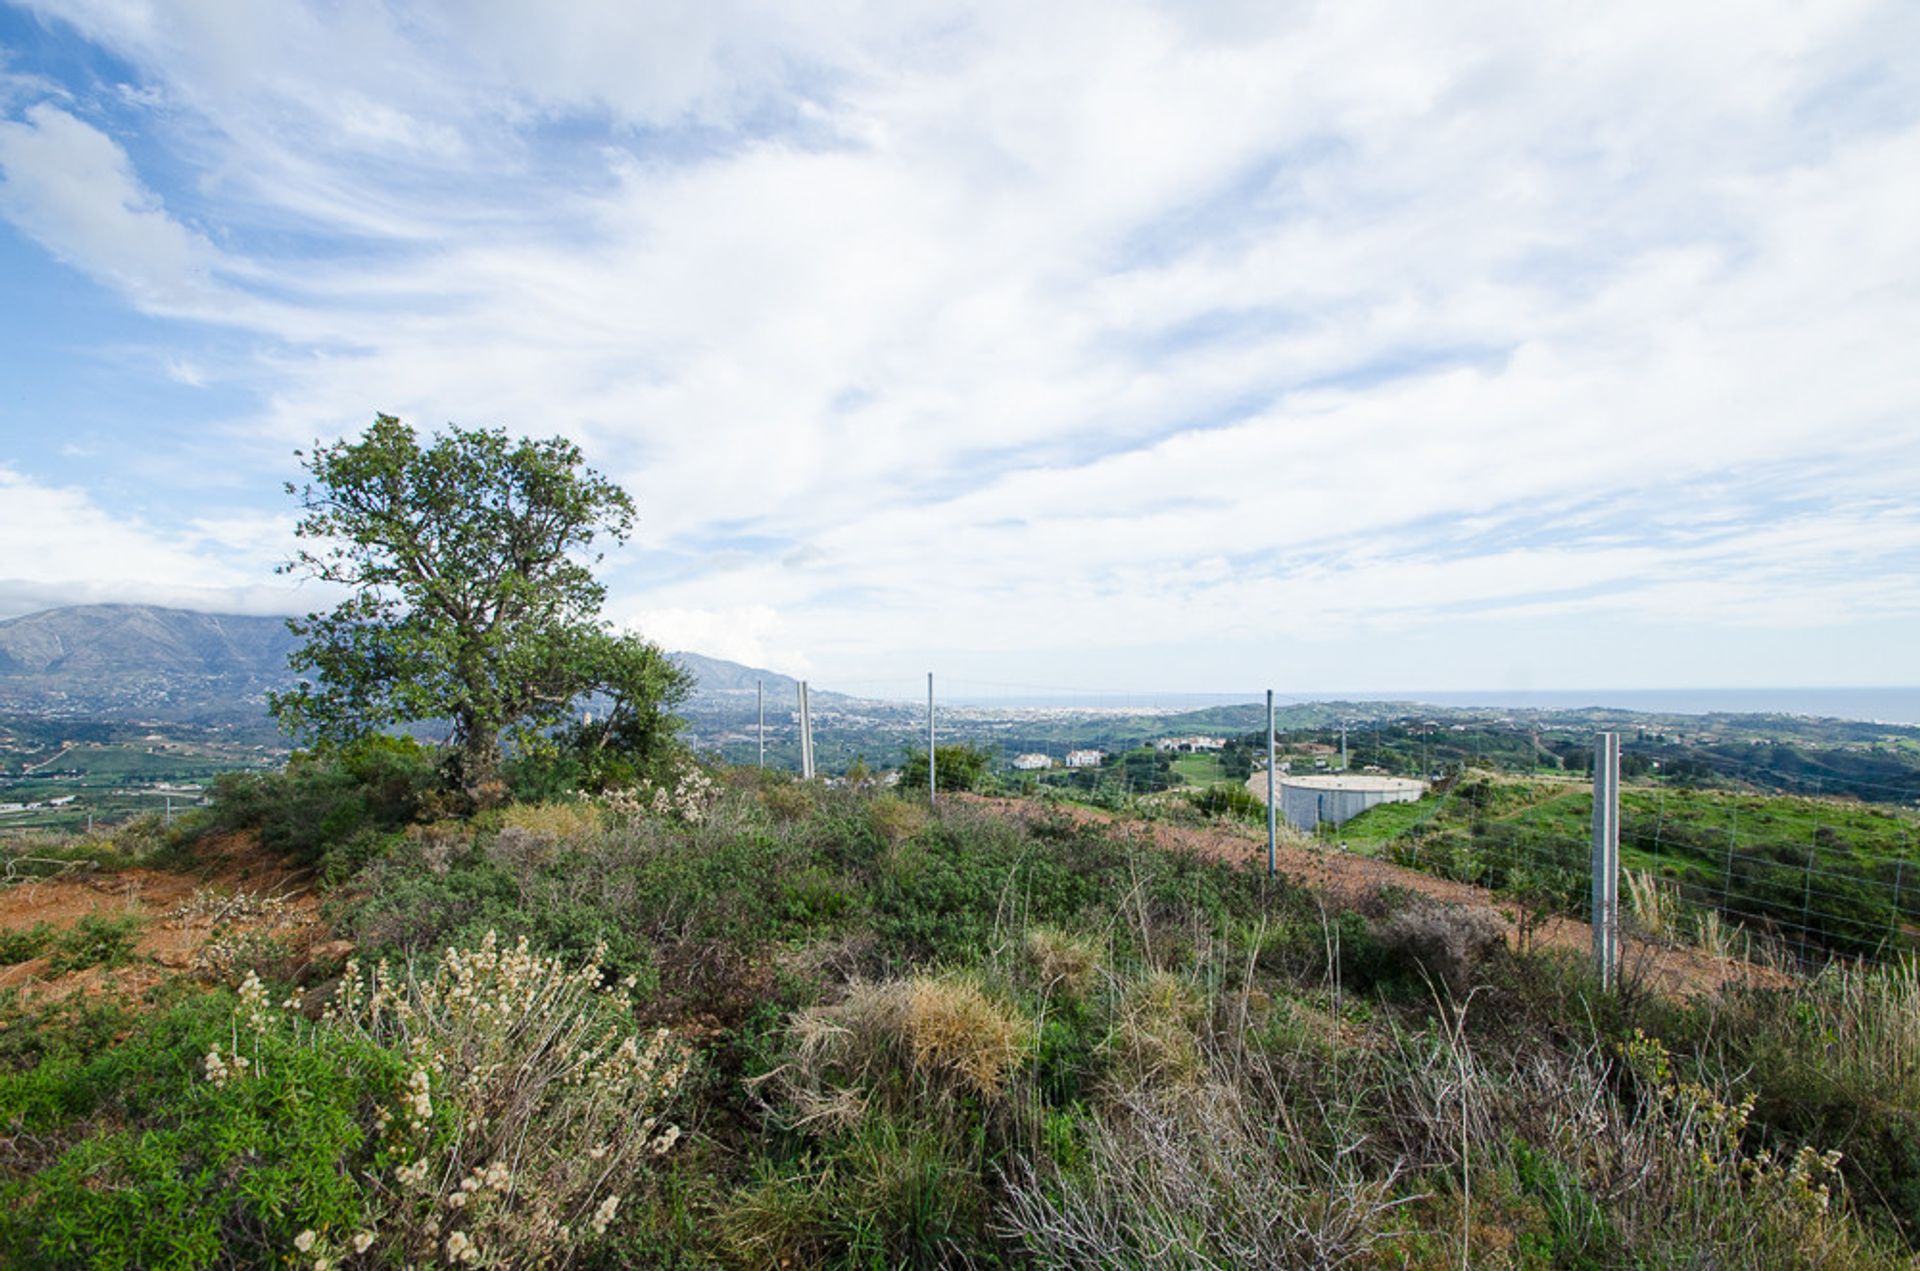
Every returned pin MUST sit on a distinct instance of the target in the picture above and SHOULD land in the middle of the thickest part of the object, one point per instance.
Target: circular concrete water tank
(1306, 801)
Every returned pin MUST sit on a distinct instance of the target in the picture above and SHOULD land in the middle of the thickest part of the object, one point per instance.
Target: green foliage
(1232, 801)
(470, 598)
(146, 1163)
(1824, 874)
(79, 1025)
(956, 767)
(505, 1094)
(938, 1036)
(95, 940)
(25, 944)
(632, 736)
(334, 806)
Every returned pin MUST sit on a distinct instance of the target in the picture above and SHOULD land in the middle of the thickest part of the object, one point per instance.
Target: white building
(1085, 758)
(1308, 801)
(1033, 762)
(1189, 745)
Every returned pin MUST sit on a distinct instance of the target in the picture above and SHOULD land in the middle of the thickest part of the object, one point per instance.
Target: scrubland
(747, 1022)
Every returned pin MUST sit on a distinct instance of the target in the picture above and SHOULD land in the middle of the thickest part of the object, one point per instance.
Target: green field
(1831, 872)
(1199, 770)
(112, 782)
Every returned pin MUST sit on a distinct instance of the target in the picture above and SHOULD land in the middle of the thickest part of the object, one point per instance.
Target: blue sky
(1115, 346)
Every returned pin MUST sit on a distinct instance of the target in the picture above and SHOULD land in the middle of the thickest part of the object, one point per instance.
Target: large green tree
(469, 566)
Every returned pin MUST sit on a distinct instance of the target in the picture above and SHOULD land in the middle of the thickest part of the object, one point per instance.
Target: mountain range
(175, 664)
(92, 640)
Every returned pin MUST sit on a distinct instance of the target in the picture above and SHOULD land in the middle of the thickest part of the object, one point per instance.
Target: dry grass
(894, 819)
(1654, 906)
(899, 1041)
(1866, 1021)
(1448, 942)
(1203, 1153)
(955, 1028)
(1653, 1170)
(1153, 1040)
(1718, 938)
(790, 800)
(1063, 962)
(557, 822)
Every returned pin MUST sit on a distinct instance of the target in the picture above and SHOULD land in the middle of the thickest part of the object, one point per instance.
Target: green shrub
(502, 1104)
(335, 805)
(25, 945)
(1232, 801)
(154, 1165)
(95, 940)
(956, 767)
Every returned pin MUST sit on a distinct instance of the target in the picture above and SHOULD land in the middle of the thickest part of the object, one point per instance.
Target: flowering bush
(497, 1111)
(532, 1105)
(686, 798)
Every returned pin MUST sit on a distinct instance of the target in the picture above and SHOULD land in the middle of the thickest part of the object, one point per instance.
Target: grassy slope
(1829, 870)
(1199, 770)
(927, 1040)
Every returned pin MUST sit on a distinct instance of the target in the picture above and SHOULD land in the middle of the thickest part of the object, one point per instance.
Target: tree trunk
(479, 749)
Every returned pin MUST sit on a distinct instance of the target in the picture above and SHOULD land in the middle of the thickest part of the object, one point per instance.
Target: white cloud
(69, 186)
(58, 546)
(1083, 327)
(748, 634)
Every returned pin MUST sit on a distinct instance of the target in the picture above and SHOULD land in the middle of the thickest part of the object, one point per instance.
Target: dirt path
(1346, 877)
(46, 763)
(235, 891)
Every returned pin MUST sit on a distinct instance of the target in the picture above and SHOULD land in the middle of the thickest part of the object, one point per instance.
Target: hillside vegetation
(1824, 875)
(737, 1020)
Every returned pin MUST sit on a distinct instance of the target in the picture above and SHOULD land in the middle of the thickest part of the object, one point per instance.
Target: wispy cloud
(1080, 331)
(69, 186)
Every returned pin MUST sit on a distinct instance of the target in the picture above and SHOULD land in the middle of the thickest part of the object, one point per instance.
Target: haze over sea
(1887, 705)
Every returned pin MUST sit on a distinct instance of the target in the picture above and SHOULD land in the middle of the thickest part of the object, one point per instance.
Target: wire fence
(1808, 893)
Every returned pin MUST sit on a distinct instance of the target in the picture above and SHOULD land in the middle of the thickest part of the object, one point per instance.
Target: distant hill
(717, 675)
(107, 640)
(144, 661)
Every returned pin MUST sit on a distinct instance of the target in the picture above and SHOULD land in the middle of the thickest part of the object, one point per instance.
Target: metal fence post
(1606, 857)
(806, 735)
(932, 787)
(1272, 809)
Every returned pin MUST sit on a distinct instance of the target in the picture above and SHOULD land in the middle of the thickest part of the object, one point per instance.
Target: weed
(554, 822)
(1446, 943)
(25, 944)
(1063, 962)
(95, 940)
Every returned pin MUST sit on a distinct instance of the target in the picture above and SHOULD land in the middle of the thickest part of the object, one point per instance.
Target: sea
(1878, 705)
(1896, 705)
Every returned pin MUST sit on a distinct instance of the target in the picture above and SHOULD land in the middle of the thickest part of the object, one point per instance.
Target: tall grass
(913, 1037)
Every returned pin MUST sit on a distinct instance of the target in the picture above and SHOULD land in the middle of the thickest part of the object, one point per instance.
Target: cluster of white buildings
(1037, 762)
(60, 802)
(1188, 745)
